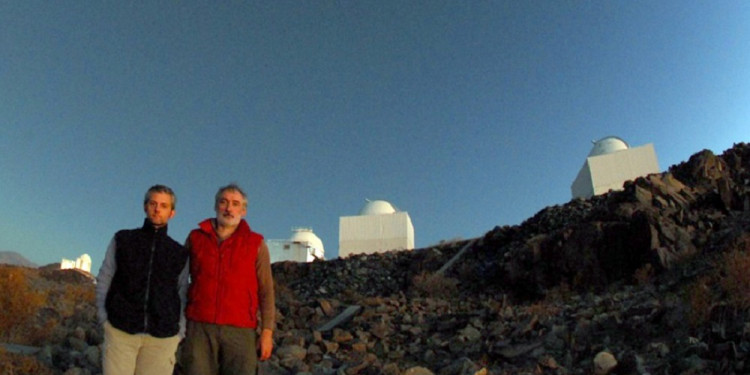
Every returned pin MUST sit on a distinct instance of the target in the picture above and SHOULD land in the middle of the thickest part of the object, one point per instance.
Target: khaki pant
(211, 349)
(140, 354)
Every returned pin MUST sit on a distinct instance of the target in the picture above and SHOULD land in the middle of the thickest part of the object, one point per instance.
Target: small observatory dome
(377, 207)
(608, 145)
(306, 235)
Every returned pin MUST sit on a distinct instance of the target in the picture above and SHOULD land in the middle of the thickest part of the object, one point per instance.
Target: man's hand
(266, 344)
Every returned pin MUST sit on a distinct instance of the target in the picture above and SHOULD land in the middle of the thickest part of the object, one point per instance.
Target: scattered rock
(604, 362)
(598, 285)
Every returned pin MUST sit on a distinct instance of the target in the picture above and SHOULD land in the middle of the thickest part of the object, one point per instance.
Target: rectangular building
(375, 233)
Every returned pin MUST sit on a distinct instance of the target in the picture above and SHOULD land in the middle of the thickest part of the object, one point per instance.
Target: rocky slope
(614, 273)
(654, 279)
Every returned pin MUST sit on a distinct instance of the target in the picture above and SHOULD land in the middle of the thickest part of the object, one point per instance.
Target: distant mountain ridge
(16, 259)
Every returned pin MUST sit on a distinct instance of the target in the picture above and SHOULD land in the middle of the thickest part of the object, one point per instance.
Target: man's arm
(104, 279)
(266, 300)
(184, 282)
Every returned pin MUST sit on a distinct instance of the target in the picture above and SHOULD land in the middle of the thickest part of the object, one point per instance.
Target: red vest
(224, 282)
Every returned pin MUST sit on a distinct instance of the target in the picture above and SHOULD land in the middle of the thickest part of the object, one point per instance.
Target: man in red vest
(231, 282)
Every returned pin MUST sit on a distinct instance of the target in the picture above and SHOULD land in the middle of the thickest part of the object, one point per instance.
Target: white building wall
(375, 233)
(82, 263)
(583, 186)
(602, 173)
(284, 250)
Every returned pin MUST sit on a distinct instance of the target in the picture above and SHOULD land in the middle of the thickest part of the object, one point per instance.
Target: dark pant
(211, 349)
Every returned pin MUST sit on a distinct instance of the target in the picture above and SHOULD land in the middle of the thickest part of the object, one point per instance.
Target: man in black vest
(140, 293)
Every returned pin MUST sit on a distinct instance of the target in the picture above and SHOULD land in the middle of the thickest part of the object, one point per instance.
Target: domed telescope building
(610, 163)
(303, 246)
(378, 227)
(83, 263)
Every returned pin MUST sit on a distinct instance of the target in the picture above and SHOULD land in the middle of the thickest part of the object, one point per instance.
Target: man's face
(230, 209)
(159, 209)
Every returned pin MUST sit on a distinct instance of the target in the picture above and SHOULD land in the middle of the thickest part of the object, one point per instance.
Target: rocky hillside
(654, 279)
(636, 274)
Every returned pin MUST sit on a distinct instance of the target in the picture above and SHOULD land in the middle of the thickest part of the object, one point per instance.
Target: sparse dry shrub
(734, 278)
(701, 300)
(644, 275)
(558, 294)
(283, 293)
(82, 293)
(542, 310)
(75, 295)
(41, 334)
(727, 284)
(435, 285)
(19, 302)
(550, 305)
(17, 364)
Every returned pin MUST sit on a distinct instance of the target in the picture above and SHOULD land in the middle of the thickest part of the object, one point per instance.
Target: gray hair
(231, 187)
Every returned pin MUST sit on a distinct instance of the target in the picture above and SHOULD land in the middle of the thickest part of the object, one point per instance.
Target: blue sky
(466, 114)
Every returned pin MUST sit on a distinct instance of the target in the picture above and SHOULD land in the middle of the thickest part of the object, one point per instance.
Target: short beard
(228, 222)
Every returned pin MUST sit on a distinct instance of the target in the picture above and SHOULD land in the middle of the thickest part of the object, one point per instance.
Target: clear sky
(465, 114)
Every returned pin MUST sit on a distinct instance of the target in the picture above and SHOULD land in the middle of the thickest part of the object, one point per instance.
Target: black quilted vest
(143, 296)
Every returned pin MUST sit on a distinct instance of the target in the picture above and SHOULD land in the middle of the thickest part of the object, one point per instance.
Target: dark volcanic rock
(631, 278)
(546, 295)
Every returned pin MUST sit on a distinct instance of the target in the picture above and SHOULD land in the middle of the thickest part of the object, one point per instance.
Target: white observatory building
(83, 263)
(610, 163)
(378, 227)
(303, 246)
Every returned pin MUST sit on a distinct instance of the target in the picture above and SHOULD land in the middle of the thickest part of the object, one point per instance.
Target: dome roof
(306, 235)
(377, 207)
(608, 145)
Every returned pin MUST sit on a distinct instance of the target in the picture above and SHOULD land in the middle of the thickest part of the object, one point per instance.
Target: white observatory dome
(306, 235)
(608, 145)
(377, 207)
